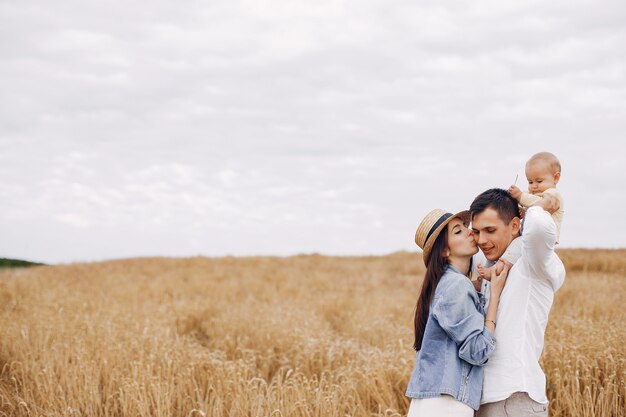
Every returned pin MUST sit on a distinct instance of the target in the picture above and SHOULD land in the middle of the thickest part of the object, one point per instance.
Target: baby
(543, 171)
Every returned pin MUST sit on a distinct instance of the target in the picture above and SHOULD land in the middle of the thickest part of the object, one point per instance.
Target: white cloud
(282, 127)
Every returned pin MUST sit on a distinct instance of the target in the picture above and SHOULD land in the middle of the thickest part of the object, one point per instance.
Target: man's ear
(557, 177)
(515, 226)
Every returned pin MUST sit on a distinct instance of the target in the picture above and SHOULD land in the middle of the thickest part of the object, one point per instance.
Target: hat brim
(464, 215)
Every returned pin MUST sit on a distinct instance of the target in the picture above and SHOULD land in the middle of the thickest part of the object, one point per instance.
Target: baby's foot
(485, 272)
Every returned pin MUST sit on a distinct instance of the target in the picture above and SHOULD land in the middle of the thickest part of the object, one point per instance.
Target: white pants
(444, 405)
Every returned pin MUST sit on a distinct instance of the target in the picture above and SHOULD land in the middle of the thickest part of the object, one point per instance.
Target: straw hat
(432, 225)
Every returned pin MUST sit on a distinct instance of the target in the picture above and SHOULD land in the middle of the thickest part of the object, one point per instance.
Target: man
(514, 384)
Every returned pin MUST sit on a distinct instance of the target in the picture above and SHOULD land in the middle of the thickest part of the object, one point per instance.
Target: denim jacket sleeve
(457, 314)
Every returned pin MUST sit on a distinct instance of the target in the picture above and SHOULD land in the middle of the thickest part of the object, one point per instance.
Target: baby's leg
(488, 272)
(485, 272)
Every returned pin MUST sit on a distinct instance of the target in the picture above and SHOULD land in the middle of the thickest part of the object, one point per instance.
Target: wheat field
(298, 336)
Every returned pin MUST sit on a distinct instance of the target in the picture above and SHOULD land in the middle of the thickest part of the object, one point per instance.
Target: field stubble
(299, 336)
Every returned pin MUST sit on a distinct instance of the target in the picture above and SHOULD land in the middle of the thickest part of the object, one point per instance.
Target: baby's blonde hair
(547, 158)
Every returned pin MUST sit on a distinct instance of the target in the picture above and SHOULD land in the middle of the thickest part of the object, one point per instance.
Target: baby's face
(540, 178)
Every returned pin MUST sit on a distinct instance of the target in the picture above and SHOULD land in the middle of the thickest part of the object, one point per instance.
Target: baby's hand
(515, 192)
(549, 203)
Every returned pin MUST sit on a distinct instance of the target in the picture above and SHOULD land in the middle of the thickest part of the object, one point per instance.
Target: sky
(282, 127)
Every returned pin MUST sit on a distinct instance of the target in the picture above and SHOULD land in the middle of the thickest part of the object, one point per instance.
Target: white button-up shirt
(523, 313)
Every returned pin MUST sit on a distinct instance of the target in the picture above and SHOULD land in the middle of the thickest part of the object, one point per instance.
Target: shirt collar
(455, 270)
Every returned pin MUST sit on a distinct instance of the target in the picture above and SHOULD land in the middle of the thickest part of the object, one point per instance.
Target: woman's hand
(497, 285)
(499, 280)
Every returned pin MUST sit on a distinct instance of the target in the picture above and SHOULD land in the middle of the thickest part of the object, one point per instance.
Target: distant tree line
(16, 263)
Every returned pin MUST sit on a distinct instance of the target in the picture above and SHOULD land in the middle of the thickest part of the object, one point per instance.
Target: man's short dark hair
(499, 200)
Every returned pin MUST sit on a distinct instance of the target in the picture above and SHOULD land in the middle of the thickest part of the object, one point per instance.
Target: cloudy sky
(287, 126)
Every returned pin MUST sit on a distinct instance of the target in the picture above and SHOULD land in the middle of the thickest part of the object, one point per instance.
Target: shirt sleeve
(458, 316)
(539, 240)
(555, 193)
(528, 199)
(513, 252)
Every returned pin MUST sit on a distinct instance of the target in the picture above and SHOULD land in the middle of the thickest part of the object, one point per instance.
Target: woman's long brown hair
(434, 270)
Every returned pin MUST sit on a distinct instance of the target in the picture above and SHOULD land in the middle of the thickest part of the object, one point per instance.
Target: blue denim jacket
(456, 343)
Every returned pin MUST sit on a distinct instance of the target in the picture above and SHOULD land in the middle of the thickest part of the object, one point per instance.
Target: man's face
(491, 234)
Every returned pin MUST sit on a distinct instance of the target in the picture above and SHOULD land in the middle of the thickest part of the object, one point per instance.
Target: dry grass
(299, 336)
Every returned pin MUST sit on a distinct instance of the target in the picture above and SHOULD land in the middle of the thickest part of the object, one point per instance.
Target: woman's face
(460, 240)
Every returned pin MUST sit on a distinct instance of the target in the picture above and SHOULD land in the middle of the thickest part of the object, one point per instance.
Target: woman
(453, 336)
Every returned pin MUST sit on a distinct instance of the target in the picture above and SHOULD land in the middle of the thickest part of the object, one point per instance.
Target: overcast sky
(151, 128)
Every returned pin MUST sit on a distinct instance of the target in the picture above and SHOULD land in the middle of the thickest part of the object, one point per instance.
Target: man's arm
(539, 240)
